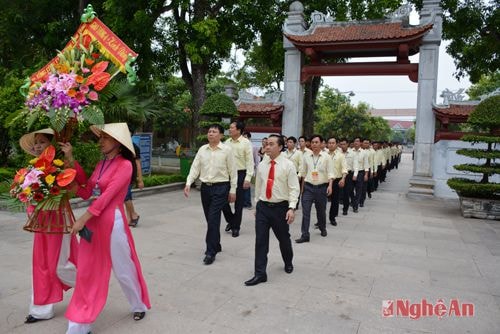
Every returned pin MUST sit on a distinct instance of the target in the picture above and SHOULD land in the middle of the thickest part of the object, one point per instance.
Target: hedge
(157, 180)
(471, 188)
(492, 169)
(479, 154)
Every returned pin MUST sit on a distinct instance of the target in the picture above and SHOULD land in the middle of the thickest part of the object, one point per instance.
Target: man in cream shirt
(243, 159)
(276, 194)
(361, 175)
(214, 164)
(293, 154)
(339, 174)
(317, 173)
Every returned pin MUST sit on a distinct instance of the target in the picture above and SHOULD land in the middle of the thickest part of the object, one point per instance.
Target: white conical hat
(27, 142)
(118, 131)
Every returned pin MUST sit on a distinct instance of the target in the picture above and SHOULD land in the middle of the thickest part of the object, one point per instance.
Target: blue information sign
(145, 143)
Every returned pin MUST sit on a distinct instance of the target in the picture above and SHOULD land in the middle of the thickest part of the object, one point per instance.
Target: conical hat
(27, 142)
(118, 131)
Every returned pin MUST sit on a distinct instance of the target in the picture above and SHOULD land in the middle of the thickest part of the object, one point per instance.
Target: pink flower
(84, 89)
(85, 70)
(31, 177)
(93, 96)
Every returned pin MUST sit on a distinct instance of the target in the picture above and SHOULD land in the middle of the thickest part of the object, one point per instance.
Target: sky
(396, 92)
(388, 92)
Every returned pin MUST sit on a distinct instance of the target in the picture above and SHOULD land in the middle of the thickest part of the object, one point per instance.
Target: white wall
(444, 157)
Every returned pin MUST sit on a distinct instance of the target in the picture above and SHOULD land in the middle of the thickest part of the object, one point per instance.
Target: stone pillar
(293, 89)
(422, 183)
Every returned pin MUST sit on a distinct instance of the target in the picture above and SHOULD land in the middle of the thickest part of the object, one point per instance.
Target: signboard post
(145, 143)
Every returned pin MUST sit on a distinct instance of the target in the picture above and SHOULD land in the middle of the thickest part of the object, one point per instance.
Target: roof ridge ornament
(402, 14)
(245, 96)
(321, 18)
(450, 96)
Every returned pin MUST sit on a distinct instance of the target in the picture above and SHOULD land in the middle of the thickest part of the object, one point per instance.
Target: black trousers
(334, 200)
(273, 217)
(367, 188)
(213, 199)
(358, 189)
(314, 194)
(377, 178)
(347, 191)
(234, 219)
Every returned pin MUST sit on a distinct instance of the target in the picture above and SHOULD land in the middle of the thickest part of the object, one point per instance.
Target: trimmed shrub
(486, 117)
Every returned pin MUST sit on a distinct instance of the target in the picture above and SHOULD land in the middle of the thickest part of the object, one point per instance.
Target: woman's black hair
(130, 157)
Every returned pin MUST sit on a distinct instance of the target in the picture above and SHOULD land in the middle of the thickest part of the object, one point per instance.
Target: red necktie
(270, 180)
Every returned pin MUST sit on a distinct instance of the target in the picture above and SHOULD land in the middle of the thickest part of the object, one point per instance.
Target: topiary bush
(214, 110)
(486, 119)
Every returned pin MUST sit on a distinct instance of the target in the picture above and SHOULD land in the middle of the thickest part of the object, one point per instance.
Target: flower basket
(42, 186)
(52, 220)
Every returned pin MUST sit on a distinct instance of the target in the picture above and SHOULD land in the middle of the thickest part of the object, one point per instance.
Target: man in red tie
(276, 194)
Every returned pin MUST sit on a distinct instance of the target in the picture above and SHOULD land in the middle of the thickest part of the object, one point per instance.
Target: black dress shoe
(288, 268)
(256, 280)
(219, 249)
(209, 259)
(31, 319)
(355, 210)
(228, 228)
(333, 222)
(302, 239)
(316, 226)
(139, 315)
(361, 205)
(370, 195)
(344, 213)
(324, 233)
(236, 233)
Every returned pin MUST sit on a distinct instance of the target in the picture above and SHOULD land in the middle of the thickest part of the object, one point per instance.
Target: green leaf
(93, 115)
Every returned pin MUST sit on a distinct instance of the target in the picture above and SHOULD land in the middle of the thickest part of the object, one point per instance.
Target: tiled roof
(360, 32)
(402, 124)
(455, 110)
(263, 108)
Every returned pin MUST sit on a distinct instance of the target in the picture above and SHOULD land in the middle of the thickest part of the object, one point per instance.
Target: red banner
(108, 43)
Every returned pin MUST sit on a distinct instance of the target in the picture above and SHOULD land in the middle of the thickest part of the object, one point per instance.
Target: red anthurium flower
(100, 67)
(66, 177)
(46, 166)
(48, 154)
(99, 80)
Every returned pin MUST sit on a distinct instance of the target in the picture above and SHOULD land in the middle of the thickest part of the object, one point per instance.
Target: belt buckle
(209, 184)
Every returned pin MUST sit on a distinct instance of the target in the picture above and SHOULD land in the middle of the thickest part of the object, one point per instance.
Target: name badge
(96, 192)
(315, 175)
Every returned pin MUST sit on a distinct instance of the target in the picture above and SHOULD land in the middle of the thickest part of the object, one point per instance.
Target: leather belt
(211, 184)
(275, 204)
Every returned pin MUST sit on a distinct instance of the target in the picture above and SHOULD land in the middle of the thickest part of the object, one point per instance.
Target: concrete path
(394, 248)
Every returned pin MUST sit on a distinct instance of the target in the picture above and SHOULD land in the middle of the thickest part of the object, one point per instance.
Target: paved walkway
(393, 248)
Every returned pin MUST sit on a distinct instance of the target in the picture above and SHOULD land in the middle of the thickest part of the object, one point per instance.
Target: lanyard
(103, 169)
(315, 163)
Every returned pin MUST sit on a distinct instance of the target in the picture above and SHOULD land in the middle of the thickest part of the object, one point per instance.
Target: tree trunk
(311, 89)
(199, 95)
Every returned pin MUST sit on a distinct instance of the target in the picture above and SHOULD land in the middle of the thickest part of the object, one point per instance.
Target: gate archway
(326, 39)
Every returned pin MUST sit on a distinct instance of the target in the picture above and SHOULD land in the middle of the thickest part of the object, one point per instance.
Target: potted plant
(218, 108)
(481, 198)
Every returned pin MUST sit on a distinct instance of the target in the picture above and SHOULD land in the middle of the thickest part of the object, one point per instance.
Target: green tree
(485, 85)
(473, 29)
(338, 117)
